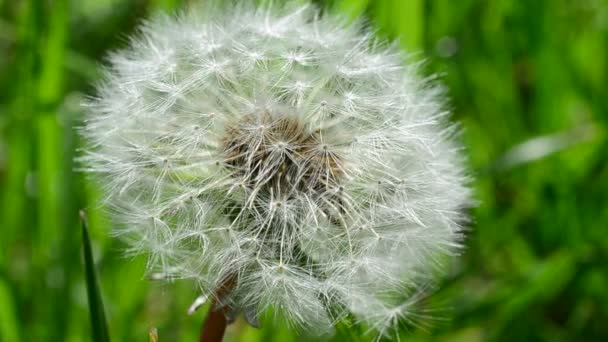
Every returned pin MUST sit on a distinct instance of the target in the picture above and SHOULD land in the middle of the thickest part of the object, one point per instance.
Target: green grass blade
(351, 8)
(9, 327)
(153, 335)
(98, 319)
(165, 5)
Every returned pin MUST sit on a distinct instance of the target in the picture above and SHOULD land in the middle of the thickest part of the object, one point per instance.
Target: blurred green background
(527, 82)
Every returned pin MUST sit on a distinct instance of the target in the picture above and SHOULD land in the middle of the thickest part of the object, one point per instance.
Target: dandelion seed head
(284, 152)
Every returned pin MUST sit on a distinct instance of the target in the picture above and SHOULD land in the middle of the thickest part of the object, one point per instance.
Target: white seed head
(282, 156)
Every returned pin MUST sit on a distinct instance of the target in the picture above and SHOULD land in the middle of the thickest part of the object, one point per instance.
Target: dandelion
(284, 160)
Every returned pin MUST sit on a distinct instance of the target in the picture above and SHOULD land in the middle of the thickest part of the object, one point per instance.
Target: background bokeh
(527, 81)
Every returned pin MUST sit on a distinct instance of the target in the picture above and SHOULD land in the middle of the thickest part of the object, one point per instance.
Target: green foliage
(99, 326)
(526, 80)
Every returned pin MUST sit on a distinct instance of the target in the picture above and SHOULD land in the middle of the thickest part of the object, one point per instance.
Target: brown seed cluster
(279, 156)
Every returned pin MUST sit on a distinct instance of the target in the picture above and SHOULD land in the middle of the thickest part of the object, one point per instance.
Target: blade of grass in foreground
(9, 326)
(96, 311)
(153, 335)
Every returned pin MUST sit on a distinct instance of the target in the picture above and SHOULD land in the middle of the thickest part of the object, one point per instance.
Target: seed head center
(279, 156)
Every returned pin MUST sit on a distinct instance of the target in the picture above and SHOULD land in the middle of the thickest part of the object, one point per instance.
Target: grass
(526, 80)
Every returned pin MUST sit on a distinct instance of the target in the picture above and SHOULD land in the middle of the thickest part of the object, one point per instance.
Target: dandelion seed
(284, 153)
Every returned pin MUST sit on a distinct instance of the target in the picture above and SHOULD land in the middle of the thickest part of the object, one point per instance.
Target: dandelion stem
(215, 325)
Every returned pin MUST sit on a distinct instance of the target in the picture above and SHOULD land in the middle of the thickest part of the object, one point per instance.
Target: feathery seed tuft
(285, 153)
